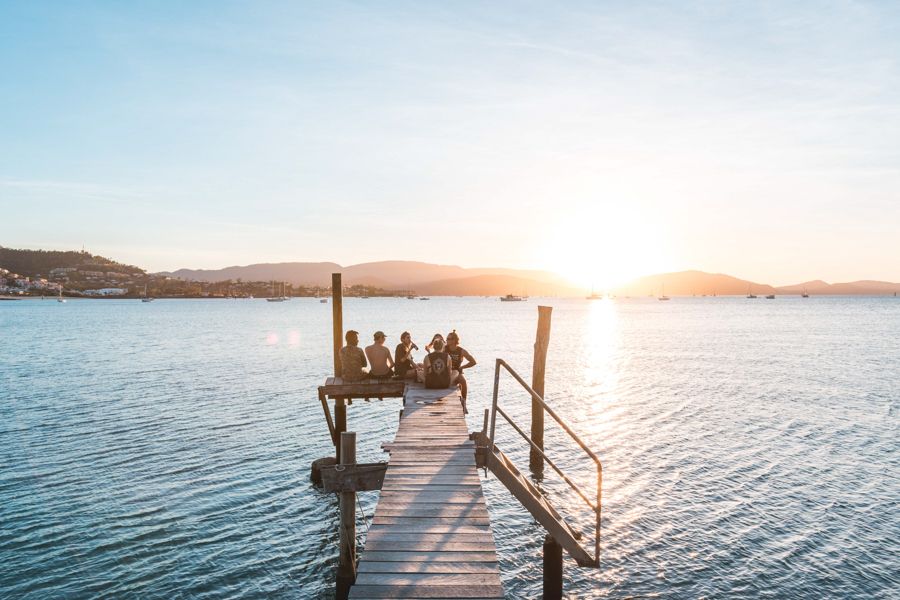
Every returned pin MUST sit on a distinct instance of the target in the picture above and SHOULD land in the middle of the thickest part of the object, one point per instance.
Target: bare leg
(463, 389)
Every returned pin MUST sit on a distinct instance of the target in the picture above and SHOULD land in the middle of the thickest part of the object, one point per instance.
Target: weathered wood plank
(425, 579)
(453, 537)
(410, 526)
(433, 496)
(430, 521)
(432, 510)
(431, 546)
(444, 591)
(372, 566)
(418, 556)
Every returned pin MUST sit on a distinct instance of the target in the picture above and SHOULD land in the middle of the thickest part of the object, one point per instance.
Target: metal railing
(495, 408)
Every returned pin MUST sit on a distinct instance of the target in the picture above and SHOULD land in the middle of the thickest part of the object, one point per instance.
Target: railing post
(337, 320)
(541, 343)
(553, 569)
(346, 572)
(494, 407)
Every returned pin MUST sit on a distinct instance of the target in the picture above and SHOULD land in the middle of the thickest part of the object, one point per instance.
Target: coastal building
(106, 292)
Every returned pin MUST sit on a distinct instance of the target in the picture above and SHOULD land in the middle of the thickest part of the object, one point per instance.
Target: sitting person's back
(437, 367)
(380, 358)
(353, 359)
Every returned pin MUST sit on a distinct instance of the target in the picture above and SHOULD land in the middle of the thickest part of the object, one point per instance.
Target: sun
(601, 249)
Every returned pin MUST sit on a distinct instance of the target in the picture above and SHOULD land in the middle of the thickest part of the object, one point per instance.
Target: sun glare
(602, 249)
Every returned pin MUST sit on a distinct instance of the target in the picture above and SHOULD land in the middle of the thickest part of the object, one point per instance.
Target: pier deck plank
(431, 534)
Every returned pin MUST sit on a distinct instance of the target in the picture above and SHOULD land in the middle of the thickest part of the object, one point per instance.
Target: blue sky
(758, 139)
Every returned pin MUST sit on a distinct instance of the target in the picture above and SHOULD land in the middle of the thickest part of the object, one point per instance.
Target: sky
(603, 140)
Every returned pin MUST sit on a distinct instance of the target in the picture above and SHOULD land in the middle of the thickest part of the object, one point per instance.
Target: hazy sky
(602, 139)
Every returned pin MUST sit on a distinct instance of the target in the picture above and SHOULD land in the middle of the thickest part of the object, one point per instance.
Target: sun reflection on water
(602, 344)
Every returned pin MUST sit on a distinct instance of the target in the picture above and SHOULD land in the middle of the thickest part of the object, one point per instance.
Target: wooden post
(337, 320)
(337, 332)
(553, 569)
(541, 343)
(346, 572)
(340, 425)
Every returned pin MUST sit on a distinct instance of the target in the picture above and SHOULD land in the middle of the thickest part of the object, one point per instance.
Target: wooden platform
(335, 387)
(431, 535)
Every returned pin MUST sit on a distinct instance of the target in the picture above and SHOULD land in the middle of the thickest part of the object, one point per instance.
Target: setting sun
(602, 248)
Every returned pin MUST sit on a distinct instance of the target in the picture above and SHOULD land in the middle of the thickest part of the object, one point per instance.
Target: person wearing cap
(404, 365)
(380, 358)
(353, 360)
(457, 354)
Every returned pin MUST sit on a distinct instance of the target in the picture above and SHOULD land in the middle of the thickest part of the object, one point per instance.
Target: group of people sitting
(441, 368)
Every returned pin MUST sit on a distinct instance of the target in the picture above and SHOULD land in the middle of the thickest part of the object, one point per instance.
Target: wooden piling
(340, 426)
(337, 332)
(346, 571)
(541, 343)
(553, 569)
(337, 320)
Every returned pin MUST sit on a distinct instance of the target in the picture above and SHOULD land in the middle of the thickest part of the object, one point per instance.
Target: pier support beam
(337, 320)
(340, 426)
(541, 343)
(553, 569)
(346, 571)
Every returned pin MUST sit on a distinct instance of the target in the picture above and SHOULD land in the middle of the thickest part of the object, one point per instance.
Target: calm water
(161, 450)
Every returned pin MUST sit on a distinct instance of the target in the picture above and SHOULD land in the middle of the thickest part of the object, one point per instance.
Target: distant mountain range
(418, 277)
(430, 279)
(687, 283)
(443, 280)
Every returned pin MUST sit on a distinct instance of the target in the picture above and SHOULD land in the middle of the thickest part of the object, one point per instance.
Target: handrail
(597, 508)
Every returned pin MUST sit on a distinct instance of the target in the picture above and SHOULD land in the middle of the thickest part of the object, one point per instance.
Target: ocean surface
(162, 450)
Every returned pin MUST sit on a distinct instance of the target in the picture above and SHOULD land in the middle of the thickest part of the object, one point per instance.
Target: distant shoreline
(645, 297)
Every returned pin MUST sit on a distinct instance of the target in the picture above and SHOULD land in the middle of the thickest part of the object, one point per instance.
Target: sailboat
(146, 298)
(749, 294)
(275, 298)
(60, 298)
(594, 295)
(663, 297)
(805, 294)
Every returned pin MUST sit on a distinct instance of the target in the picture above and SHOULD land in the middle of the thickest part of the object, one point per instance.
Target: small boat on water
(512, 298)
(275, 298)
(750, 293)
(662, 295)
(770, 297)
(424, 298)
(594, 295)
(146, 298)
(323, 300)
(805, 294)
(60, 298)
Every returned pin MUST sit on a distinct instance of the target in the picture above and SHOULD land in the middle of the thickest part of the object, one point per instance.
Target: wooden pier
(431, 535)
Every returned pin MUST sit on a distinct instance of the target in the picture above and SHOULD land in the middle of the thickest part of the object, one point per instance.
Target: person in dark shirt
(457, 354)
(437, 368)
(404, 365)
(353, 359)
